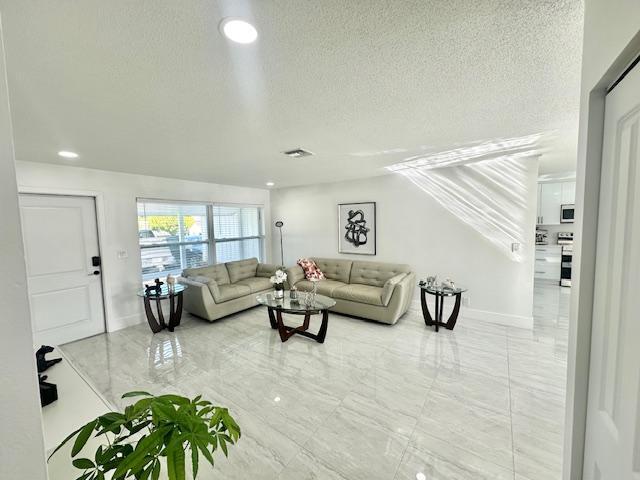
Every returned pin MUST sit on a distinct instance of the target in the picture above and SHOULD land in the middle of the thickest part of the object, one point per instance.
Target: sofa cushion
(242, 269)
(325, 287)
(375, 274)
(335, 269)
(256, 284)
(266, 270)
(311, 270)
(224, 293)
(215, 272)
(360, 293)
(295, 274)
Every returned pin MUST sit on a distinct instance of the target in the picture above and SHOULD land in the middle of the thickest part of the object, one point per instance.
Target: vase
(278, 290)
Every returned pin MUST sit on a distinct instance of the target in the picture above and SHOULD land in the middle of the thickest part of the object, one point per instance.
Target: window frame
(211, 241)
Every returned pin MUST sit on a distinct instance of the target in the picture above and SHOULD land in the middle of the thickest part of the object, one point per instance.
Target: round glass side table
(175, 307)
(440, 292)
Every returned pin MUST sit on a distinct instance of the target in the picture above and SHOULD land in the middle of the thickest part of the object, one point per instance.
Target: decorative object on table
(160, 293)
(314, 290)
(357, 228)
(172, 426)
(293, 293)
(278, 283)
(432, 280)
(154, 289)
(279, 224)
(171, 282)
(448, 283)
(310, 269)
(440, 293)
(276, 307)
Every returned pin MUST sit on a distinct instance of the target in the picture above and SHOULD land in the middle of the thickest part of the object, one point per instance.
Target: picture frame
(357, 227)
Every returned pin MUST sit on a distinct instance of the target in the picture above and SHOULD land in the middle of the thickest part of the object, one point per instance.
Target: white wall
(116, 202)
(611, 41)
(413, 228)
(21, 440)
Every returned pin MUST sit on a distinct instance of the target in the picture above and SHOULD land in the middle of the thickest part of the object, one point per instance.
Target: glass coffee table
(307, 304)
(440, 292)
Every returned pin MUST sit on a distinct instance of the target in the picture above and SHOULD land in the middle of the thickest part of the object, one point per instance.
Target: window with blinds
(238, 232)
(178, 235)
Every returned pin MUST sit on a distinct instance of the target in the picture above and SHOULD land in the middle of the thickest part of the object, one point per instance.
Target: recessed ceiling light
(238, 31)
(421, 476)
(67, 154)
(270, 184)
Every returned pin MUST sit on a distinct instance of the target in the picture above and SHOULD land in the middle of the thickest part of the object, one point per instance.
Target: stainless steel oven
(567, 213)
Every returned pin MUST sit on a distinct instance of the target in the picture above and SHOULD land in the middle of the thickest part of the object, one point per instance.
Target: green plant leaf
(69, 437)
(175, 464)
(156, 471)
(83, 463)
(136, 459)
(136, 394)
(83, 436)
(194, 460)
(177, 399)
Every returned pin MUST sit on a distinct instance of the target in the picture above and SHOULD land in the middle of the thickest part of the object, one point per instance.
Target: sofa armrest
(209, 284)
(389, 286)
(266, 270)
(294, 275)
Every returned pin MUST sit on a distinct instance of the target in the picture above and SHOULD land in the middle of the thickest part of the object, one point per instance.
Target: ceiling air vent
(297, 153)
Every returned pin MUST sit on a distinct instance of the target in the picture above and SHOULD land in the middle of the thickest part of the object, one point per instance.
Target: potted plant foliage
(154, 431)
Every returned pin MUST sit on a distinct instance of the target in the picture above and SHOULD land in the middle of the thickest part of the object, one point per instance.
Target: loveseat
(372, 290)
(216, 291)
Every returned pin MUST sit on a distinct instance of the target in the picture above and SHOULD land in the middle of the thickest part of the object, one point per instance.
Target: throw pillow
(311, 270)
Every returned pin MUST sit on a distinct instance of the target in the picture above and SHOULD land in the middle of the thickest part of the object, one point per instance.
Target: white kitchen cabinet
(568, 193)
(550, 197)
(550, 200)
(548, 262)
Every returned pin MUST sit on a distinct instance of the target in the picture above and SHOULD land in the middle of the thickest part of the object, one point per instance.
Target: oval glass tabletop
(177, 288)
(440, 290)
(304, 303)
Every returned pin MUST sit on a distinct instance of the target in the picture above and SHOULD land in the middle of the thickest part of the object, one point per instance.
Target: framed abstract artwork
(357, 228)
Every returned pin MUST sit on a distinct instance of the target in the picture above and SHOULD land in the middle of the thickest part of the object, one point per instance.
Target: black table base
(286, 332)
(175, 312)
(437, 319)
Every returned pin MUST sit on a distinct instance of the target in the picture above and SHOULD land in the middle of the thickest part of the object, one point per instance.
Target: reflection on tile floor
(372, 402)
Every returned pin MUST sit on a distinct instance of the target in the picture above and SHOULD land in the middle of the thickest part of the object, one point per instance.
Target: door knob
(95, 272)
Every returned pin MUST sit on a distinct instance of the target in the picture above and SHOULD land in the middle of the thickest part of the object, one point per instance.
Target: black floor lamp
(280, 224)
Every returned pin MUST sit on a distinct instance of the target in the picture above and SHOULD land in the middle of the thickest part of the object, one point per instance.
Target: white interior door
(612, 446)
(65, 289)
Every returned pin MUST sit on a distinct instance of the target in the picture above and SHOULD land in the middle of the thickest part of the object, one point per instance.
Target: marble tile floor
(373, 402)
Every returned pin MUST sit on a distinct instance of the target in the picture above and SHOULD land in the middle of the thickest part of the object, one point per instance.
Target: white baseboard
(505, 319)
(124, 322)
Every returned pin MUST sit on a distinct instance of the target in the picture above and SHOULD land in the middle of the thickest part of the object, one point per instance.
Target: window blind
(178, 235)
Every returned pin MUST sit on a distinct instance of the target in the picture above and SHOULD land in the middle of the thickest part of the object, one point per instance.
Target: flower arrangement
(279, 278)
(278, 283)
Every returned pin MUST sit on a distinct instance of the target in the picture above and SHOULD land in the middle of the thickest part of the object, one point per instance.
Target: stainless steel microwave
(567, 213)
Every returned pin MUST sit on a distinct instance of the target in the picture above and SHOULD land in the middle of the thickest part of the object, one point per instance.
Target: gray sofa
(372, 290)
(216, 291)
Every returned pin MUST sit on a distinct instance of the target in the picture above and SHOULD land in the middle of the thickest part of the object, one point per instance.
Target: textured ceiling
(150, 86)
